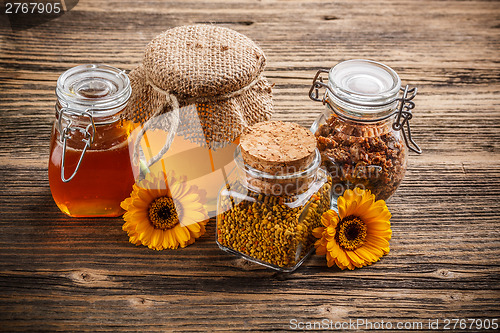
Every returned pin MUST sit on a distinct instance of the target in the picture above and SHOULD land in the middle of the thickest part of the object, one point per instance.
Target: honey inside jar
(90, 171)
(200, 165)
(103, 180)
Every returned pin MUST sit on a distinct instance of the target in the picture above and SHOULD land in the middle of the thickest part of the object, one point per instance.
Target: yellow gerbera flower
(358, 235)
(163, 212)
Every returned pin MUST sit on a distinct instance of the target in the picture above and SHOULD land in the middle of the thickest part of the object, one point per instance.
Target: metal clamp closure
(317, 84)
(88, 132)
(403, 113)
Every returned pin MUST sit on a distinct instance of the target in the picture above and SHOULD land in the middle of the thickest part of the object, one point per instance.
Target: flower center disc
(163, 214)
(351, 233)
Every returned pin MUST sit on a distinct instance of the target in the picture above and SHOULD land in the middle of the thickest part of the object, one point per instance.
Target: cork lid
(278, 147)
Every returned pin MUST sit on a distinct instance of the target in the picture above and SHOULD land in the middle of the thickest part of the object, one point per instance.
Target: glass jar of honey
(90, 171)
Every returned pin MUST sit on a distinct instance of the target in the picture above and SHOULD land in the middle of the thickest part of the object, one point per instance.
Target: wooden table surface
(63, 274)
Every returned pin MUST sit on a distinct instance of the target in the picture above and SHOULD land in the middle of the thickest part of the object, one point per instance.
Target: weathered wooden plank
(61, 274)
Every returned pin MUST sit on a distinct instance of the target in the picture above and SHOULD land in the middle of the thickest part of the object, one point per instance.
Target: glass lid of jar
(101, 89)
(367, 91)
(364, 82)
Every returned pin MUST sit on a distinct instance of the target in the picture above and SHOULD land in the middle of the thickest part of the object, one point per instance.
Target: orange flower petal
(342, 266)
(320, 249)
(329, 218)
(318, 232)
(143, 226)
(351, 208)
(145, 196)
(373, 212)
(355, 259)
(366, 255)
(145, 236)
(342, 207)
(377, 241)
(126, 203)
(193, 217)
(331, 231)
(134, 239)
(363, 207)
(156, 240)
(378, 226)
(373, 249)
(182, 235)
(129, 226)
(140, 204)
(172, 242)
(194, 227)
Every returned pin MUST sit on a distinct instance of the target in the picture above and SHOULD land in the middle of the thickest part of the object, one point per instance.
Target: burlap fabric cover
(216, 68)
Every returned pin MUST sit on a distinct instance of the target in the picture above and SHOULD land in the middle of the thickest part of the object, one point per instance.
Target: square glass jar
(269, 219)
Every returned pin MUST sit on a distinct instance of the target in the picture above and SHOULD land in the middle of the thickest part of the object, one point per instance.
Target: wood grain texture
(61, 274)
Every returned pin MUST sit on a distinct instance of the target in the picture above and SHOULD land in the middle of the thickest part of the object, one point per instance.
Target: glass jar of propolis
(361, 135)
(270, 205)
(90, 170)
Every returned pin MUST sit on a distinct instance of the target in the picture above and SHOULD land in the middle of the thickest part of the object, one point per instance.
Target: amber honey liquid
(203, 167)
(105, 178)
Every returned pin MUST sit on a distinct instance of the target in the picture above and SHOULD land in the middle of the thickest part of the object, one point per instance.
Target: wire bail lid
(367, 91)
(88, 95)
(101, 89)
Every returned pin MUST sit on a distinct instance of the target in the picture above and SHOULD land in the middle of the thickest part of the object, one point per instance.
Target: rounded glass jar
(90, 171)
(357, 135)
(268, 219)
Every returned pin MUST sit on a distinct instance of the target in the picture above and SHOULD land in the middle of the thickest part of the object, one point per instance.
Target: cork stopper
(278, 147)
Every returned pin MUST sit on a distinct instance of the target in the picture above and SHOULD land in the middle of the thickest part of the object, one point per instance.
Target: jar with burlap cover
(207, 74)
